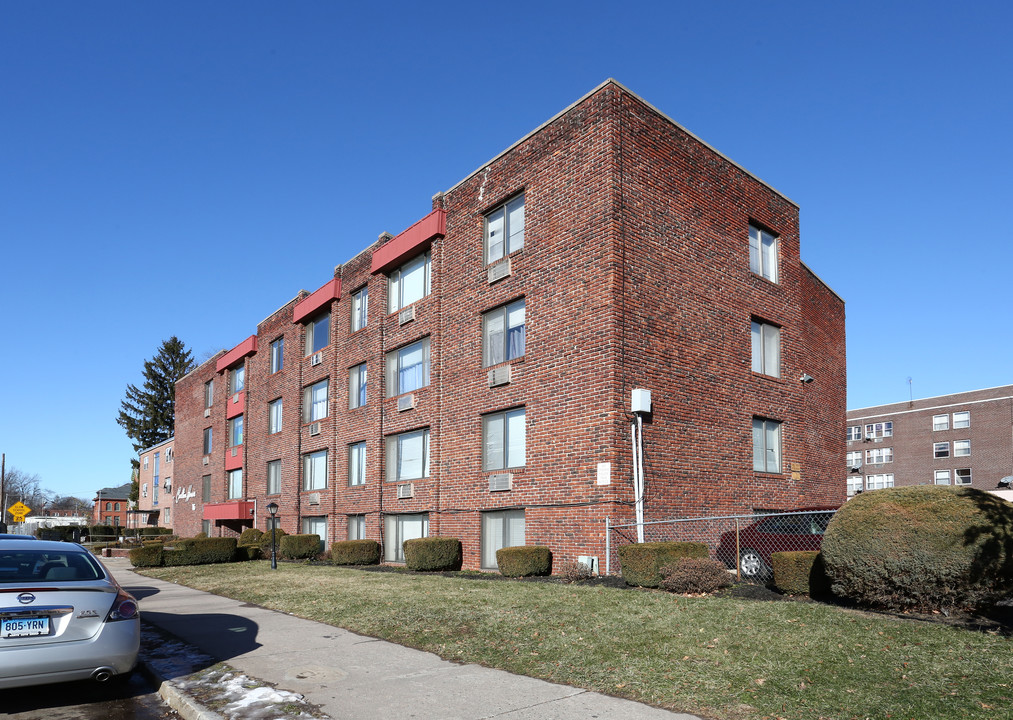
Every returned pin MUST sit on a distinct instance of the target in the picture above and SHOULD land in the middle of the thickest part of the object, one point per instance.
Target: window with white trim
(356, 527)
(879, 430)
(877, 456)
(409, 283)
(503, 333)
(500, 529)
(963, 476)
(766, 345)
(408, 368)
(277, 355)
(314, 470)
(961, 448)
(236, 431)
(856, 485)
(318, 333)
(235, 484)
(209, 393)
(942, 477)
(766, 445)
(854, 432)
(941, 449)
(961, 419)
(398, 528)
(878, 482)
(504, 440)
(316, 525)
(941, 422)
(408, 456)
(763, 253)
(274, 477)
(357, 386)
(207, 442)
(314, 401)
(237, 379)
(274, 415)
(854, 458)
(360, 308)
(357, 464)
(504, 230)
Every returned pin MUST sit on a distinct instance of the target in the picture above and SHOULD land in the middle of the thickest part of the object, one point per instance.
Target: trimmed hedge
(356, 552)
(923, 547)
(248, 552)
(148, 555)
(800, 573)
(250, 536)
(200, 551)
(524, 560)
(299, 547)
(265, 541)
(695, 575)
(432, 553)
(641, 563)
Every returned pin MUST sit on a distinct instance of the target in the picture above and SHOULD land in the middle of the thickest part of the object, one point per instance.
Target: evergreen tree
(148, 414)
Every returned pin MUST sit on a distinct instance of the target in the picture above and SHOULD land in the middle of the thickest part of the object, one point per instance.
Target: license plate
(24, 627)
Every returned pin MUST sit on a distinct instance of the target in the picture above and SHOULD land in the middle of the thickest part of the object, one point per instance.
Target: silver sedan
(62, 616)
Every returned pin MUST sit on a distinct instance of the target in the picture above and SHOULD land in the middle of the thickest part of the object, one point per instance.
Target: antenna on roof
(910, 390)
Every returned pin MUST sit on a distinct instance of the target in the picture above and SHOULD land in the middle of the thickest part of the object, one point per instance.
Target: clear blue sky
(154, 156)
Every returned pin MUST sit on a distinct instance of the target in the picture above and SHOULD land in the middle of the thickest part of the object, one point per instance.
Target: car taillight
(124, 607)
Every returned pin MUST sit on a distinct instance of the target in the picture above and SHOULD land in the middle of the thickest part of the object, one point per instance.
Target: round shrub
(250, 536)
(524, 560)
(922, 547)
(298, 547)
(800, 572)
(265, 540)
(355, 552)
(695, 575)
(432, 553)
(641, 563)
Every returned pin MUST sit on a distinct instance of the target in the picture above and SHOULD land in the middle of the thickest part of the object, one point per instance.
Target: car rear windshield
(18, 566)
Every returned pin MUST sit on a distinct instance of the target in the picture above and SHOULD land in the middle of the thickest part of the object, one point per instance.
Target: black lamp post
(273, 509)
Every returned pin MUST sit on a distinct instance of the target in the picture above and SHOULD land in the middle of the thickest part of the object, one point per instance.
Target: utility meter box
(640, 401)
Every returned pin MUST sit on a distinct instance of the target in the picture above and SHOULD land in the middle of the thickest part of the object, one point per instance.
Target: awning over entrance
(233, 510)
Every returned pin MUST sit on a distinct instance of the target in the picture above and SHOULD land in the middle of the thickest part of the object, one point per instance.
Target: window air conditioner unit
(856, 468)
(316, 358)
(499, 375)
(406, 402)
(500, 482)
(406, 315)
(314, 498)
(499, 271)
(235, 451)
(315, 428)
(207, 412)
(235, 397)
(405, 491)
(205, 459)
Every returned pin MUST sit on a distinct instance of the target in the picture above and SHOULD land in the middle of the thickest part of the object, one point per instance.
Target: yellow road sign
(19, 510)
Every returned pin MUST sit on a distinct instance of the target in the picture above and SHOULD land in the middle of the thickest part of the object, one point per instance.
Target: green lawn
(719, 657)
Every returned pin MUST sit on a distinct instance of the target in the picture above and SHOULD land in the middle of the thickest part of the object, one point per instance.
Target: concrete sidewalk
(348, 675)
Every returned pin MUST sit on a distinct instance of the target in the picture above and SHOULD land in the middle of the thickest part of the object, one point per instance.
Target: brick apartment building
(472, 376)
(960, 439)
(154, 487)
(110, 505)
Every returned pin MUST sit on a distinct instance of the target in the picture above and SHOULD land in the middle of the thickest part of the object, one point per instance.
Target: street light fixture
(273, 509)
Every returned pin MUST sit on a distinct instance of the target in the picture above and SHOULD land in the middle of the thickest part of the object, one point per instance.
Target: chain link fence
(744, 543)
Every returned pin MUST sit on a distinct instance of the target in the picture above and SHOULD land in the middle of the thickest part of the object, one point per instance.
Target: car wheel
(751, 565)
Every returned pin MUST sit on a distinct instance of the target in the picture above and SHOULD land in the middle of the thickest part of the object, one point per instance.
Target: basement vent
(205, 459)
(499, 375)
(207, 412)
(314, 498)
(315, 428)
(405, 491)
(406, 315)
(406, 402)
(316, 358)
(499, 271)
(500, 482)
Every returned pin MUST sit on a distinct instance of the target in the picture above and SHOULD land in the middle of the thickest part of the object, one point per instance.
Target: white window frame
(504, 440)
(856, 484)
(317, 329)
(314, 470)
(237, 379)
(878, 456)
(401, 291)
(500, 529)
(964, 420)
(878, 482)
(273, 478)
(358, 386)
(854, 432)
(275, 416)
(209, 393)
(357, 464)
(879, 429)
(356, 527)
(397, 455)
(960, 473)
(236, 431)
(941, 477)
(940, 450)
(234, 484)
(763, 253)
(401, 527)
(207, 441)
(940, 422)
(504, 333)
(961, 448)
(397, 370)
(766, 445)
(766, 348)
(316, 525)
(360, 309)
(504, 230)
(316, 401)
(277, 355)
(854, 458)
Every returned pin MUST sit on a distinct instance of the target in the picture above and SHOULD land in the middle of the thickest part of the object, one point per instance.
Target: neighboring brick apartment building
(154, 487)
(111, 505)
(960, 439)
(471, 377)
